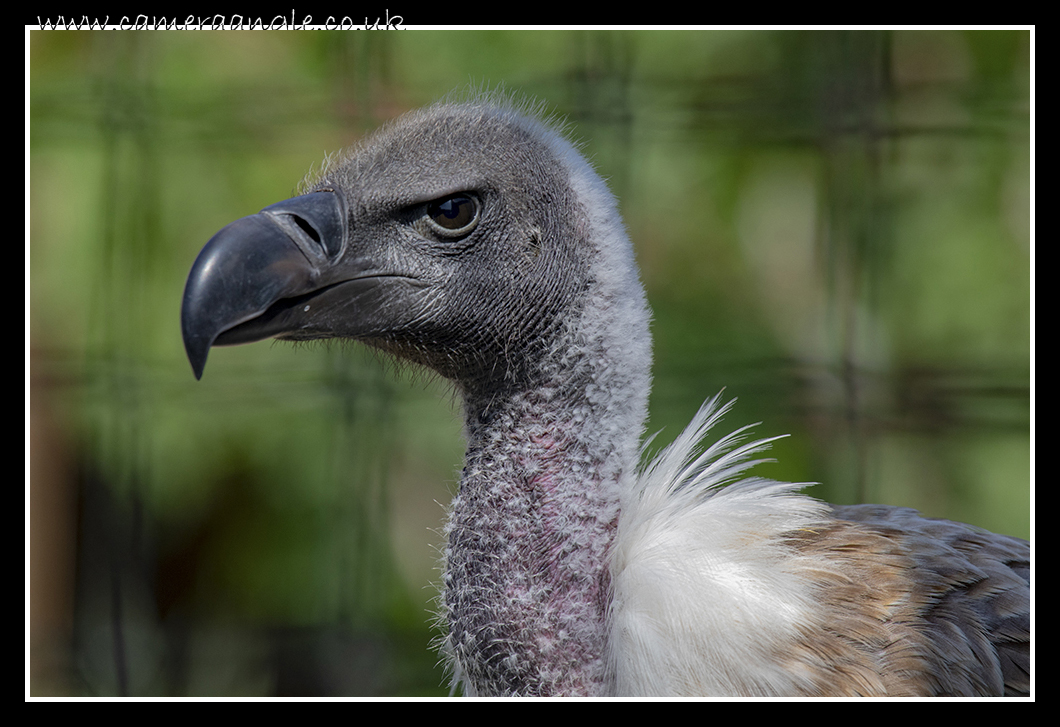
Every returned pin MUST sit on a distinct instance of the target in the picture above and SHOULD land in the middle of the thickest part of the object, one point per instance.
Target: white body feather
(704, 586)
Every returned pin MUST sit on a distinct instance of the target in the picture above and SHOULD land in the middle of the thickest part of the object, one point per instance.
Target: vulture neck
(527, 586)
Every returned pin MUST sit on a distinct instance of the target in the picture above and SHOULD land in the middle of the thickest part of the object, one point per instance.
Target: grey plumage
(967, 596)
(473, 239)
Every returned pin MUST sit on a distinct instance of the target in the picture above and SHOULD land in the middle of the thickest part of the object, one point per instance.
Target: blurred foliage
(833, 225)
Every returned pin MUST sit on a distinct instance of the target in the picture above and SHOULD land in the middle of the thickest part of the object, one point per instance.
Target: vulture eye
(455, 216)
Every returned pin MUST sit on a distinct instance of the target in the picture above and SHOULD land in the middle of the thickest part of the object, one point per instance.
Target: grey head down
(473, 238)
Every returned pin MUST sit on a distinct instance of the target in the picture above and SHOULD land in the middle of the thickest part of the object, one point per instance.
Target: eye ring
(454, 216)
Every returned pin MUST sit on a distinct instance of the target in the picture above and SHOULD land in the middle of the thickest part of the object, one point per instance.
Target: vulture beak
(247, 283)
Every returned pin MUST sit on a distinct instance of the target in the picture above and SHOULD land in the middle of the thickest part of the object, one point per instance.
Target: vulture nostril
(330, 244)
(307, 228)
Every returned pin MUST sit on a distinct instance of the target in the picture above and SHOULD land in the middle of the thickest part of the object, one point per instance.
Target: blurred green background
(834, 225)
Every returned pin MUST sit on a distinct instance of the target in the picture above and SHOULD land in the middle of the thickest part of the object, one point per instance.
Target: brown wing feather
(917, 606)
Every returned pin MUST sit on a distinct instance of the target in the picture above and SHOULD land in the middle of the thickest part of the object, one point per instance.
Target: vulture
(471, 237)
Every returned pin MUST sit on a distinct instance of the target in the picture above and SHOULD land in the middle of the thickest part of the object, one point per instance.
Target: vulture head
(457, 237)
